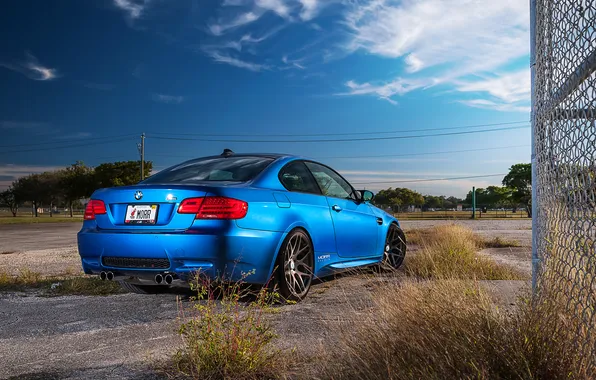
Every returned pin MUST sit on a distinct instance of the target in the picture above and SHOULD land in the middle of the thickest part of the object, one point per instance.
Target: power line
(342, 133)
(428, 153)
(430, 179)
(65, 141)
(382, 155)
(336, 140)
(65, 147)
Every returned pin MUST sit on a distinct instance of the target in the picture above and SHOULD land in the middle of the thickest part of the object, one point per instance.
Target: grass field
(42, 218)
(520, 214)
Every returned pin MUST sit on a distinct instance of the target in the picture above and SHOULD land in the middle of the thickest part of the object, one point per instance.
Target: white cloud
(456, 38)
(386, 91)
(492, 105)
(225, 58)
(168, 99)
(475, 35)
(32, 69)
(220, 28)
(134, 8)
(507, 87)
(278, 6)
(309, 9)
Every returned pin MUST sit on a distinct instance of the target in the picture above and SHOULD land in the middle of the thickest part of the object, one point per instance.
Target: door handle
(380, 221)
(336, 208)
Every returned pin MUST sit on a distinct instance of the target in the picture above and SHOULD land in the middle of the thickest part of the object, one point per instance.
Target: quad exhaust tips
(167, 279)
(106, 276)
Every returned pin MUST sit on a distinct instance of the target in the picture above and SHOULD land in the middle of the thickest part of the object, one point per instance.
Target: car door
(308, 204)
(356, 227)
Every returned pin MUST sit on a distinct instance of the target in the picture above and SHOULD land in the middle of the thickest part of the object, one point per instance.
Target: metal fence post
(535, 257)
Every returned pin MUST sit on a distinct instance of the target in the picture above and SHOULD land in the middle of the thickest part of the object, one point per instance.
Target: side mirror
(367, 195)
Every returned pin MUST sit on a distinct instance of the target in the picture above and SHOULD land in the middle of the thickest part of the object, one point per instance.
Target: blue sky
(81, 80)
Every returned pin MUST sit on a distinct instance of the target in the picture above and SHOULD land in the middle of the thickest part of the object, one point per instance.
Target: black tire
(141, 289)
(295, 266)
(395, 248)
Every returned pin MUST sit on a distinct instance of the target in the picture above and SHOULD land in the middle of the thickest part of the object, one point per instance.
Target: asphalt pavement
(29, 237)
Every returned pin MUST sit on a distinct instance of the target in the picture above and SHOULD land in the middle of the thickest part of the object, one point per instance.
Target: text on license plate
(141, 214)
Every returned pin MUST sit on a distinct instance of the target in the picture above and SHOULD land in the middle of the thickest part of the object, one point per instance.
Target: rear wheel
(141, 289)
(395, 248)
(295, 266)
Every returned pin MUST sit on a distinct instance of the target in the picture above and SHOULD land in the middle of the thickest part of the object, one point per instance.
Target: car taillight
(94, 207)
(190, 206)
(214, 208)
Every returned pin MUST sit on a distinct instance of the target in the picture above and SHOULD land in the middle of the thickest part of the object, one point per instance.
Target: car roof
(266, 155)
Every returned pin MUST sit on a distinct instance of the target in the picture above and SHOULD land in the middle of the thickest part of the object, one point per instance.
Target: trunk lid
(123, 201)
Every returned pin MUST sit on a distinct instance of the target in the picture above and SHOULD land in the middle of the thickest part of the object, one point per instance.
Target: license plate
(141, 214)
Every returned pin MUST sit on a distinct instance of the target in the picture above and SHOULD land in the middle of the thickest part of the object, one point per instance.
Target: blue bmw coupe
(280, 219)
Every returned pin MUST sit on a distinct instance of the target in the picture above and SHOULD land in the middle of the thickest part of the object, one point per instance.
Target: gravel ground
(77, 337)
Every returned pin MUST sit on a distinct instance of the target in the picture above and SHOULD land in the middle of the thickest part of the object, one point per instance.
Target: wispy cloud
(228, 59)
(133, 8)
(435, 34)
(386, 91)
(7, 124)
(309, 9)
(507, 89)
(32, 68)
(97, 86)
(493, 105)
(168, 99)
(77, 135)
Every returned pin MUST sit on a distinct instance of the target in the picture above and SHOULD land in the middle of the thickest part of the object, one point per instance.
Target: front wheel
(295, 266)
(395, 248)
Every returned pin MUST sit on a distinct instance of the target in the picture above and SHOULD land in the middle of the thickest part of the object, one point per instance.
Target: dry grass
(498, 242)
(226, 336)
(451, 251)
(57, 286)
(450, 329)
(87, 286)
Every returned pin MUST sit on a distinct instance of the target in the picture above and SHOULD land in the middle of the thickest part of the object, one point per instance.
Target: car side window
(296, 177)
(331, 183)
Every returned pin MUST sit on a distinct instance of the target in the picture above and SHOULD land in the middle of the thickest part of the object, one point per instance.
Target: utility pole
(141, 148)
(473, 202)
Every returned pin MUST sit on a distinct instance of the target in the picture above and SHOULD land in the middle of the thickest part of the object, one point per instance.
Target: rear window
(237, 169)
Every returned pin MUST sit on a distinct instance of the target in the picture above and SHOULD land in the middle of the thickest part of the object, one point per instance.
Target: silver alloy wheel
(298, 265)
(395, 247)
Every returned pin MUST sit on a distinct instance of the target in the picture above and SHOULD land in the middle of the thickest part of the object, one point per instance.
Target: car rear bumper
(231, 256)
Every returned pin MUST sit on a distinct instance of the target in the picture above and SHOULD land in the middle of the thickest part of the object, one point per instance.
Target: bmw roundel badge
(138, 195)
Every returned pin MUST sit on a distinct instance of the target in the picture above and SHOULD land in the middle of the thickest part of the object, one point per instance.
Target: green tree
(491, 197)
(432, 201)
(10, 199)
(122, 173)
(50, 191)
(398, 198)
(519, 180)
(29, 188)
(76, 182)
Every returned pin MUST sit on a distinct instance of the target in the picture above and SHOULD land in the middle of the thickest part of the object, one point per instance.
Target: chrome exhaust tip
(169, 279)
(103, 275)
(110, 276)
(158, 278)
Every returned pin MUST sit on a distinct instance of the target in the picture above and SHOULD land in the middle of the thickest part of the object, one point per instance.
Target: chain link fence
(564, 167)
